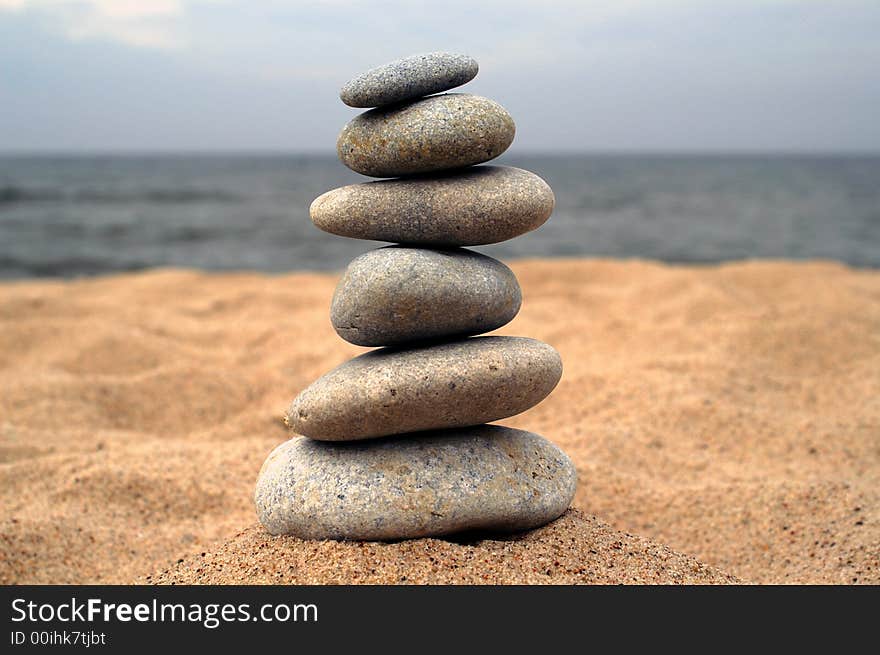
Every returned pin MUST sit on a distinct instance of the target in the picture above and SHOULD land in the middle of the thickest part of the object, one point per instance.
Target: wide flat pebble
(486, 477)
(476, 206)
(409, 78)
(396, 295)
(455, 384)
(432, 134)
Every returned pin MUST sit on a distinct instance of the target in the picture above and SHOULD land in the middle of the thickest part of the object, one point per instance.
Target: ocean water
(87, 215)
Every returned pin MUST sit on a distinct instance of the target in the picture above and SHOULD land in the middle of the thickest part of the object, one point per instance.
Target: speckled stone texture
(448, 385)
(394, 442)
(425, 484)
(409, 78)
(427, 135)
(476, 206)
(396, 295)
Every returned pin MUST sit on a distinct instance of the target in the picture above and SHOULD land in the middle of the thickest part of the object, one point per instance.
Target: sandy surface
(728, 417)
(574, 549)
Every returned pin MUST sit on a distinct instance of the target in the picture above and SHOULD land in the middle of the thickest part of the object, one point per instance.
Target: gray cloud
(625, 75)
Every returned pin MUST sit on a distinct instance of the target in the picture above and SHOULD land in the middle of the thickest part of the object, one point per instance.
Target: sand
(725, 422)
(573, 549)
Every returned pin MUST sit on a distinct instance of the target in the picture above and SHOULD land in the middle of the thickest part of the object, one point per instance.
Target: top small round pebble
(409, 78)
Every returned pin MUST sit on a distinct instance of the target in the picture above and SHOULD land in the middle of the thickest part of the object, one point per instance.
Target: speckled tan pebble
(432, 134)
(475, 206)
(447, 385)
(486, 477)
(395, 295)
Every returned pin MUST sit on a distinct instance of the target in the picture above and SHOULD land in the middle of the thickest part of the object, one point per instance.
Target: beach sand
(724, 420)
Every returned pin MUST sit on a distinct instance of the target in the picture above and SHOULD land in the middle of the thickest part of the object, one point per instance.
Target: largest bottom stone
(417, 485)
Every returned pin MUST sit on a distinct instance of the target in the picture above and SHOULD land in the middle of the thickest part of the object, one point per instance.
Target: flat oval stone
(409, 78)
(427, 135)
(476, 206)
(396, 295)
(425, 484)
(448, 385)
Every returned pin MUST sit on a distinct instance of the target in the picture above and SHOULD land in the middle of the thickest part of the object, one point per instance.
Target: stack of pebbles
(396, 445)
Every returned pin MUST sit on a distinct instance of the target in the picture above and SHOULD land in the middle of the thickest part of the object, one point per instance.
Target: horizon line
(267, 152)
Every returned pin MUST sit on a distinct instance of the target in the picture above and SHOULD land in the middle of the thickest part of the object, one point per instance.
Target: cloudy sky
(609, 75)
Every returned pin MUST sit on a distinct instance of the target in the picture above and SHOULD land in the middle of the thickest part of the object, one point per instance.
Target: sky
(602, 76)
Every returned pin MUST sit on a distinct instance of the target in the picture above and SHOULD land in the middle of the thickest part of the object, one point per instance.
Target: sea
(73, 216)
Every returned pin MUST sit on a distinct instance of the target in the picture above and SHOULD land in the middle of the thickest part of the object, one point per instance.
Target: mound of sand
(731, 413)
(573, 549)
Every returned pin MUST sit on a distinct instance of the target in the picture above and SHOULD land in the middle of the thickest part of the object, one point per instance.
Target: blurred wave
(15, 195)
(85, 215)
